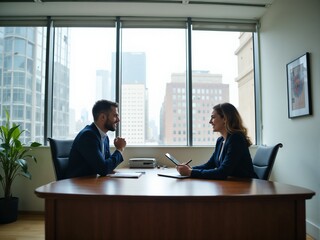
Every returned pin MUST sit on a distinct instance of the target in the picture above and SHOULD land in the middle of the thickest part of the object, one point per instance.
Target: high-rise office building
(22, 74)
(134, 110)
(245, 80)
(133, 113)
(207, 91)
(133, 68)
(61, 86)
(103, 84)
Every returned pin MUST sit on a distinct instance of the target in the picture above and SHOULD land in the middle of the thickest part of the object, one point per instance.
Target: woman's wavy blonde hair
(233, 119)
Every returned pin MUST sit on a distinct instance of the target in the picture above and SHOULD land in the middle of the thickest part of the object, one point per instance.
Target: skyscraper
(134, 111)
(207, 91)
(21, 78)
(103, 84)
(22, 74)
(245, 80)
(61, 85)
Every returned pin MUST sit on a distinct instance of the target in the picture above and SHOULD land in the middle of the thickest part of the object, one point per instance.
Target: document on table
(172, 175)
(125, 175)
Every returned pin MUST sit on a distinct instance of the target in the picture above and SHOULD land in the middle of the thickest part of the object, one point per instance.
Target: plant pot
(8, 209)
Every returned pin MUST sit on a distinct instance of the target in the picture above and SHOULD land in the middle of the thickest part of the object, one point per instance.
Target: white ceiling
(222, 9)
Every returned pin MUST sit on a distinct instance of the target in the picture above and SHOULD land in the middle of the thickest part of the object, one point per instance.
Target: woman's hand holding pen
(184, 169)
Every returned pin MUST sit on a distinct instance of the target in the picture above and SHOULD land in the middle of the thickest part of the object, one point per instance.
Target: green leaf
(14, 155)
(35, 144)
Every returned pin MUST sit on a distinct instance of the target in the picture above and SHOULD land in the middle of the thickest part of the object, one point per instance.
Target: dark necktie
(106, 148)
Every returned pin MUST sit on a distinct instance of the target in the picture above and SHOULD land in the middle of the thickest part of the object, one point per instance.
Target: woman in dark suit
(231, 156)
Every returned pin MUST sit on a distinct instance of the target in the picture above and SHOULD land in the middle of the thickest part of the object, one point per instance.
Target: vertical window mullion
(118, 67)
(257, 88)
(189, 84)
(48, 101)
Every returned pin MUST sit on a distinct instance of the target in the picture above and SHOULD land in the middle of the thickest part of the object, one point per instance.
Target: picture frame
(298, 88)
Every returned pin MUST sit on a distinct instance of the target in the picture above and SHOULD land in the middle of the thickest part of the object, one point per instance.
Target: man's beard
(109, 126)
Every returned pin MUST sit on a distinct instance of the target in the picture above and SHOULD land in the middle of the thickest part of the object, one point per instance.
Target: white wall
(289, 29)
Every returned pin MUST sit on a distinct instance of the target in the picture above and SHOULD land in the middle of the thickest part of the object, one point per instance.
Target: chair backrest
(60, 150)
(264, 159)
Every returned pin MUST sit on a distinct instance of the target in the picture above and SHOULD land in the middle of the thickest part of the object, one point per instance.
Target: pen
(189, 162)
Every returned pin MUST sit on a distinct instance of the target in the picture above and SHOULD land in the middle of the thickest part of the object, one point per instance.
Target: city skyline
(158, 46)
(69, 117)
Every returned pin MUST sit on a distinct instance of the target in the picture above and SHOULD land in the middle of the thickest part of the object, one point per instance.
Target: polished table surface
(138, 208)
(152, 185)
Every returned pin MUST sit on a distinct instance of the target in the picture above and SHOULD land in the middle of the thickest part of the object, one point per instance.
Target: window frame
(142, 22)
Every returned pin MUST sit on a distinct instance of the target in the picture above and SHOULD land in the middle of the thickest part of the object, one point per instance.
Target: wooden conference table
(153, 207)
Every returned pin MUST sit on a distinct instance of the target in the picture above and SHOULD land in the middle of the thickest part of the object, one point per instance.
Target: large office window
(166, 77)
(151, 58)
(220, 62)
(82, 75)
(22, 72)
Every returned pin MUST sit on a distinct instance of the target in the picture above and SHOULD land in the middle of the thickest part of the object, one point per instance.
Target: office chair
(264, 159)
(60, 150)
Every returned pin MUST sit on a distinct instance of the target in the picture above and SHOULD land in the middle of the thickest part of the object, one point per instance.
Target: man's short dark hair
(102, 106)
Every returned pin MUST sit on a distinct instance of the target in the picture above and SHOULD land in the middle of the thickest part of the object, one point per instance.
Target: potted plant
(14, 157)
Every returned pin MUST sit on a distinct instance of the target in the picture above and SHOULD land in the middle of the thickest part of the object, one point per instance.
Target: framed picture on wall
(299, 87)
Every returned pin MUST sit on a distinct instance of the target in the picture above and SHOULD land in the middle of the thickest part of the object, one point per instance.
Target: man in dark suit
(90, 153)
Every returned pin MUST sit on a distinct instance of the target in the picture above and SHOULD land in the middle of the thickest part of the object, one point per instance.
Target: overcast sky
(91, 49)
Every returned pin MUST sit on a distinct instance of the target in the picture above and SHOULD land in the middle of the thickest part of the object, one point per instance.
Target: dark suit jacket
(235, 160)
(86, 155)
